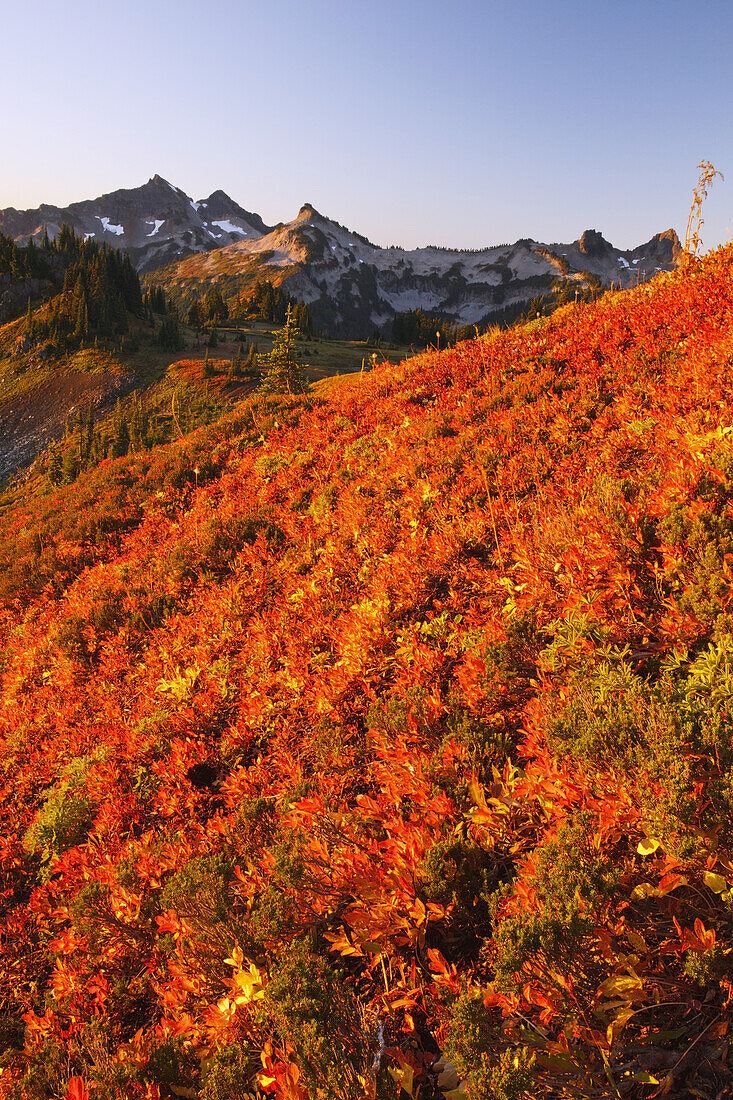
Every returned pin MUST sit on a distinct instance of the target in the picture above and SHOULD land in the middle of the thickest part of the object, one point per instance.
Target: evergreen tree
(169, 335)
(136, 426)
(235, 367)
(55, 469)
(89, 438)
(70, 465)
(81, 438)
(251, 365)
(284, 374)
(121, 443)
(215, 308)
(195, 316)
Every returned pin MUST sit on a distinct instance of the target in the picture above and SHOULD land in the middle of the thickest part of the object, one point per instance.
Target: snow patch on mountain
(109, 227)
(230, 227)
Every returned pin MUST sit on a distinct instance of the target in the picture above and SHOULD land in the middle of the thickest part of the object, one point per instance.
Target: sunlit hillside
(381, 740)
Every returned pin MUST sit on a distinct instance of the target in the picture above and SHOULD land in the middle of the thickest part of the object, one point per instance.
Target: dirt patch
(31, 420)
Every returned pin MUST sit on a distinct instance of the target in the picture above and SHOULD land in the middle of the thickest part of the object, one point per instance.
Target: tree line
(265, 302)
(100, 287)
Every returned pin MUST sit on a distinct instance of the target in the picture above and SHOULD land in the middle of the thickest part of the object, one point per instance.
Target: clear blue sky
(461, 123)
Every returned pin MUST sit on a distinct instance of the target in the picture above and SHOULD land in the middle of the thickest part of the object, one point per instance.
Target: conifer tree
(251, 365)
(195, 317)
(89, 432)
(70, 465)
(55, 470)
(235, 367)
(122, 439)
(135, 426)
(284, 372)
(215, 308)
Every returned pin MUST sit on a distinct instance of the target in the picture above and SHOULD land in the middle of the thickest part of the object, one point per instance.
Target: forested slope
(345, 738)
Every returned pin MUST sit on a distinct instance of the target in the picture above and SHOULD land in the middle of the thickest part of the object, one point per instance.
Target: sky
(463, 123)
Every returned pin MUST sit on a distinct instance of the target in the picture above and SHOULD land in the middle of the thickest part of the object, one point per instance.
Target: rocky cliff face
(155, 223)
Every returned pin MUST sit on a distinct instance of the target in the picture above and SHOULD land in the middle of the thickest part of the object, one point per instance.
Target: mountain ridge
(353, 287)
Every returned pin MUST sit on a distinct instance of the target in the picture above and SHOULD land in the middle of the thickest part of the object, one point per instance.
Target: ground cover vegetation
(361, 745)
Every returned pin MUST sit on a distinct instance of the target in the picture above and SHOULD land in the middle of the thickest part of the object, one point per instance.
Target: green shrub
(700, 585)
(65, 817)
(489, 1075)
(570, 880)
(170, 1063)
(314, 1011)
(460, 873)
(46, 1073)
(200, 888)
(678, 728)
(230, 1072)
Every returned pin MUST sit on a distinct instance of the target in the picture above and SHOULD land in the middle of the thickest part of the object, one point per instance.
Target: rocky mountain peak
(155, 223)
(159, 181)
(308, 212)
(220, 196)
(593, 243)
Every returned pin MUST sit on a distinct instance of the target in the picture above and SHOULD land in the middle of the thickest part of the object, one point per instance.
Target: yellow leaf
(250, 984)
(644, 890)
(638, 942)
(403, 1076)
(648, 846)
(621, 985)
(237, 957)
(715, 882)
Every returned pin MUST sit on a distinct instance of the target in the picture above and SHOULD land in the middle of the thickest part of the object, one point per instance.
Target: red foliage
(302, 690)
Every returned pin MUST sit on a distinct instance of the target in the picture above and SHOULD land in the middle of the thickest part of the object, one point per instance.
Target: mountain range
(154, 223)
(352, 286)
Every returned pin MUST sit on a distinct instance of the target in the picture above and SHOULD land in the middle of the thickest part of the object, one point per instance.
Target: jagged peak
(308, 211)
(220, 196)
(666, 245)
(593, 243)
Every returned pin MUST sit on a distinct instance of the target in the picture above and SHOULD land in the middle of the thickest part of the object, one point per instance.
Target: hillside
(77, 336)
(354, 288)
(382, 740)
(153, 223)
